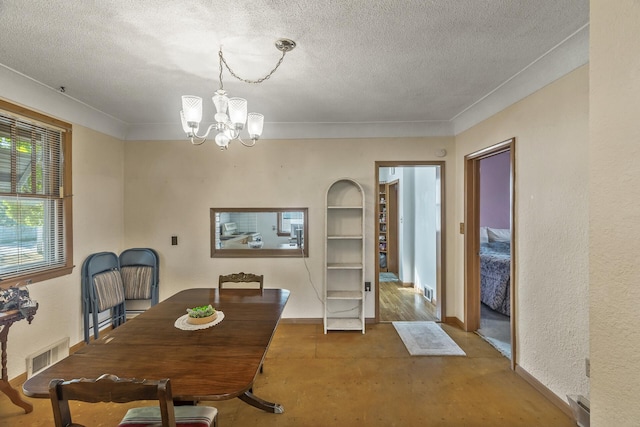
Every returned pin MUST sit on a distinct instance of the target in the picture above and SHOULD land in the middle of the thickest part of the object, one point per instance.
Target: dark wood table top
(216, 363)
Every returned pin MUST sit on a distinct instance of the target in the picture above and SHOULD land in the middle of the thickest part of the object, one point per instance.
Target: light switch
(174, 240)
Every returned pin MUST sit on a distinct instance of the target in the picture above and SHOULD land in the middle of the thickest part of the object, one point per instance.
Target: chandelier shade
(238, 112)
(231, 113)
(255, 123)
(192, 108)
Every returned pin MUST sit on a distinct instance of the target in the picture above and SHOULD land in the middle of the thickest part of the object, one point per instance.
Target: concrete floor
(350, 379)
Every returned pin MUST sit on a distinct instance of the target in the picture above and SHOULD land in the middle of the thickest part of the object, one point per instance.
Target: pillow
(484, 236)
(499, 234)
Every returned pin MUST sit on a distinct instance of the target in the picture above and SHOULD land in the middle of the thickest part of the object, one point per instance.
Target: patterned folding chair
(139, 268)
(102, 290)
(109, 388)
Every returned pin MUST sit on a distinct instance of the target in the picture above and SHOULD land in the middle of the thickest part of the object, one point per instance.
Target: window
(35, 202)
(252, 233)
(288, 222)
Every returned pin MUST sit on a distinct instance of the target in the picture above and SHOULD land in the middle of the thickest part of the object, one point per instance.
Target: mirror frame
(258, 253)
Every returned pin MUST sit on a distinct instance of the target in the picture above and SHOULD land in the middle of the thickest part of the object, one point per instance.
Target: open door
(472, 240)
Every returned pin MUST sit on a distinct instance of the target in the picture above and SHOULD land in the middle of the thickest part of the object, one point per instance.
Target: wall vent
(428, 293)
(47, 356)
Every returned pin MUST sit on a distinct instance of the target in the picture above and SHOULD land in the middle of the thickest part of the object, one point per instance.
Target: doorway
(409, 241)
(489, 247)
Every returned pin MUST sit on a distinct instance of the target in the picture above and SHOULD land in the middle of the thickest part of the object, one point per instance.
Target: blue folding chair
(140, 270)
(102, 290)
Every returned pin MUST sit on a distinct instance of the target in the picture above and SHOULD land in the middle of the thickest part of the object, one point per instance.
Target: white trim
(563, 58)
(23, 90)
(173, 131)
(566, 56)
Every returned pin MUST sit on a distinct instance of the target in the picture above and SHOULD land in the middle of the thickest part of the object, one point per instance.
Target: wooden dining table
(215, 363)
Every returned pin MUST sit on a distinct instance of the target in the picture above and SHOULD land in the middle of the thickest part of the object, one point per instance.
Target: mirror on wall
(259, 232)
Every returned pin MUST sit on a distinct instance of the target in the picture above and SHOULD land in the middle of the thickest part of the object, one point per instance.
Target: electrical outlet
(174, 240)
(367, 286)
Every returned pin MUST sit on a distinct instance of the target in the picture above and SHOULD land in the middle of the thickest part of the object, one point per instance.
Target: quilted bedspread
(495, 271)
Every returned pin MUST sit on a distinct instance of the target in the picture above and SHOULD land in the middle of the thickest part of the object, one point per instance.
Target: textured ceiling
(356, 61)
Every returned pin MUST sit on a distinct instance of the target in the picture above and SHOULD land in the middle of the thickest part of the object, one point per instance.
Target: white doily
(181, 322)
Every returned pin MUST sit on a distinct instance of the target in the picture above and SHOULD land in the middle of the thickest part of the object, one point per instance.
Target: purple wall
(494, 191)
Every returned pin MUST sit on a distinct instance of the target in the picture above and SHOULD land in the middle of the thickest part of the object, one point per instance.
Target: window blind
(32, 234)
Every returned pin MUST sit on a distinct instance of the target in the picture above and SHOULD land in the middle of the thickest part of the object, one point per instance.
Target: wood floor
(400, 303)
(350, 379)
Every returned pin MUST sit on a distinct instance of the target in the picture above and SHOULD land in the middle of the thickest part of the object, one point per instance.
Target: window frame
(25, 114)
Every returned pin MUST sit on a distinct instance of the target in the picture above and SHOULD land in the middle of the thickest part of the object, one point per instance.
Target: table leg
(5, 387)
(13, 394)
(255, 401)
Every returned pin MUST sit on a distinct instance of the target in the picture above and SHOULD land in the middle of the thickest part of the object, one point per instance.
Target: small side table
(7, 319)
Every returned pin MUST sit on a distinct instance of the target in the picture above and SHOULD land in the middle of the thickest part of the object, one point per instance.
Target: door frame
(440, 244)
(471, 228)
(393, 253)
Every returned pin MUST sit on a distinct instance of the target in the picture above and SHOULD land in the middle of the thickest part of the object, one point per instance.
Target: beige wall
(551, 216)
(615, 212)
(171, 186)
(98, 225)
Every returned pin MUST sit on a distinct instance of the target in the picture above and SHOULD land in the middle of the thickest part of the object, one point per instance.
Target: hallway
(400, 303)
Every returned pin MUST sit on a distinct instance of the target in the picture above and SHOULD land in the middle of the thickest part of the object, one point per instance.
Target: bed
(495, 275)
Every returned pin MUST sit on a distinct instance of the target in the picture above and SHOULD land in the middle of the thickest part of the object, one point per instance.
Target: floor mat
(427, 339)
(388, 277)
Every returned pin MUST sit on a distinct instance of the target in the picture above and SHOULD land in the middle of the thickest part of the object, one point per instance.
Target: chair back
(102, 289)
(109, 388)
(241, 281)
(140, 269)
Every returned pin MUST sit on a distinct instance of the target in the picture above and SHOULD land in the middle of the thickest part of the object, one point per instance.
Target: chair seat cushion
(186, 416)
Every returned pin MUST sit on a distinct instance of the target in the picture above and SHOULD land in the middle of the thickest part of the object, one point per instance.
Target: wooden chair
(110, 388)
(225, 281)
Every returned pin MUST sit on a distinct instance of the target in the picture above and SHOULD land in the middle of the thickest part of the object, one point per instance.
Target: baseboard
(77, 347)
(551, 396)
(316, 321)
(302, 321)
(455, 322)
(18, 381)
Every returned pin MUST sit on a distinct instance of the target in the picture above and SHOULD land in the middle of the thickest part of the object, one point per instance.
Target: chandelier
(231, 113)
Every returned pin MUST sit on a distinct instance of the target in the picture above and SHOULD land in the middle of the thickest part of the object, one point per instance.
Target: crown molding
(565, 57)
(171, 131)
(30, 93)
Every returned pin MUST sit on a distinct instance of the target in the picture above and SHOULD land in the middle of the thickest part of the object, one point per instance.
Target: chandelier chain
(260, 80)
